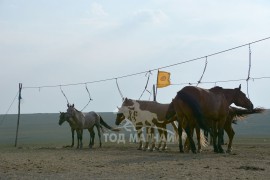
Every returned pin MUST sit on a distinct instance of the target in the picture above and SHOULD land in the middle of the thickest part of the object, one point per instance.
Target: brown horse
(207, 108)
(235, 114)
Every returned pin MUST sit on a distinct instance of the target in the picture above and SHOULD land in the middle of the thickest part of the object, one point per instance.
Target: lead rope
(248, 78)
(145, 88)
(90, 99)
(119, 90)
(205, 65)
(64, 94)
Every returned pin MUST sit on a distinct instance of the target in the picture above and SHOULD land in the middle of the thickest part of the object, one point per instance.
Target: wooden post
(19, 113)
(155, 90)
(154, 93)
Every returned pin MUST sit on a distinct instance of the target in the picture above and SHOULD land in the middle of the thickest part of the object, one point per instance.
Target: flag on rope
(163, 79)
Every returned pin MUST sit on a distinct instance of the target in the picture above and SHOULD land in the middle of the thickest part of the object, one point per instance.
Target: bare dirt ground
(250, 159)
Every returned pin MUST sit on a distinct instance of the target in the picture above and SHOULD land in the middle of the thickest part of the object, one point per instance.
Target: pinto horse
(208, 108)
(145, 113)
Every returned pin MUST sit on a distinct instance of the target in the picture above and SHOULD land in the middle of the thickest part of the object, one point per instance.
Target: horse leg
(152, 131)
(164, 138)
(230, 132)
(214, 130)
(81, 138)
(99, 136)
(92, 137)
(220, 134)
(72, 134)
(198, 133)
(187, 144)
(139, 132)
(191, 142)
(222, 137)
(160, 132)
(147, 138)
(180, 130)
(78, 138)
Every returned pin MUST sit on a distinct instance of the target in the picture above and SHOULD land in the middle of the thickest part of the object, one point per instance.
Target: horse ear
(72, 105)
(68, 105)
(240, 87)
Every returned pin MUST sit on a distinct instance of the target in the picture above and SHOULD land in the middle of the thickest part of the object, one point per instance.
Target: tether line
(119, 90)
(145, 88)
(64, 94)
(205, 65)
(90, 99)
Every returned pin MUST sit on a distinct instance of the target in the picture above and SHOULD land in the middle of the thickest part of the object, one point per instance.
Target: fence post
(154, 94)
(19, 113)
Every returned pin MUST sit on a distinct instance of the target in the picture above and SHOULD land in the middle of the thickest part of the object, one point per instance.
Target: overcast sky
(60, 42)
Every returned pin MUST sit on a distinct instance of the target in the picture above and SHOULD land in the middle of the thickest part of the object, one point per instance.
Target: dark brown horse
(207, 108)
(235, 114)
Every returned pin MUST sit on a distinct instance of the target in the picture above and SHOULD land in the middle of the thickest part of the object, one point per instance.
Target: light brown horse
(207, 108)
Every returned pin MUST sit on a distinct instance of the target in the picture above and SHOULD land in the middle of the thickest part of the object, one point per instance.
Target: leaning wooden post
(19, 113)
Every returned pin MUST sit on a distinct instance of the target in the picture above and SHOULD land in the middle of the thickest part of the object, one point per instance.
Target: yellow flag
(163, 79)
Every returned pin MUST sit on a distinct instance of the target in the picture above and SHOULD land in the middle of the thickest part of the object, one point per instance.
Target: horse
(208, 108)
(182, 125)
(235, 114)
(145, 113)
(63, 117)
(86, 121)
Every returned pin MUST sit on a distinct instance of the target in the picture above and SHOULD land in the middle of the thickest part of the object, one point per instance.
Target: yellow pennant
(163, 79)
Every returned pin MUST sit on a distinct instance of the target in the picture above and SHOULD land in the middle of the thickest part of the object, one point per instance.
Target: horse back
(213, 104)
(91, 119)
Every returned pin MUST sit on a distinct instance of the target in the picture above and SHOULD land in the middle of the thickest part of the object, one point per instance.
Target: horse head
(120, 115)
(70, 111)
(240, 99)
(62, 118)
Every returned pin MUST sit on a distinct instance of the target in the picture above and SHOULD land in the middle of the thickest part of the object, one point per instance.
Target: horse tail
(203, 140)
(239, 114)
(103, 123)
(192, 103)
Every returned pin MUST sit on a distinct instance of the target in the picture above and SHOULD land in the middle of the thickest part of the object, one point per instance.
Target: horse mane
(216, 88)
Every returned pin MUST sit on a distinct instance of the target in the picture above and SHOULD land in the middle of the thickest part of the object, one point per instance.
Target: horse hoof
(229, 151)
(181, 151)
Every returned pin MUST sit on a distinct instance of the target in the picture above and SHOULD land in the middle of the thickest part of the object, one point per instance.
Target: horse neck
(229, 95)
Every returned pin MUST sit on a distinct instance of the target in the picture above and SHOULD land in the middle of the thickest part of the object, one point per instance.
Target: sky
(60, 42)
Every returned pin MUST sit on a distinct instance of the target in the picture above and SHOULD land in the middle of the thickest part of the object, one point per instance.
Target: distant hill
(44, 128)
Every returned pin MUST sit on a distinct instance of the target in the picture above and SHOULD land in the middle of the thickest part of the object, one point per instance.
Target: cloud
(97, 10)
(150, 16)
